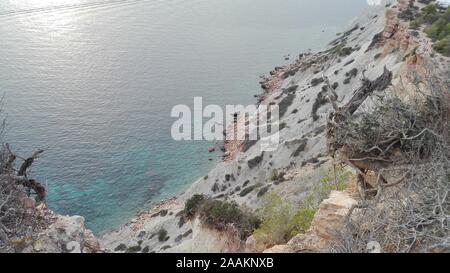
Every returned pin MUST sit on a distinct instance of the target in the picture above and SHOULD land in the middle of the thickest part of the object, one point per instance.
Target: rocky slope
(377, 40)
(375, 43)
(28, 226)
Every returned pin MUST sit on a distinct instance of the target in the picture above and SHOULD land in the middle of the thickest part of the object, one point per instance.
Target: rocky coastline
(378, 54)
(376, 40)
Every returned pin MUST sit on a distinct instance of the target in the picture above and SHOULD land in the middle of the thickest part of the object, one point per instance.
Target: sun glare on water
(41, 3)
(54, 16)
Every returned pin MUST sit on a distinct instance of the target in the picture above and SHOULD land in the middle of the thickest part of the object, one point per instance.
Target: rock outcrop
(63, 234)
(67, 234)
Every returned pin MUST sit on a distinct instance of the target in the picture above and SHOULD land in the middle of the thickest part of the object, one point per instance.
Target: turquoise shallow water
(94, 82)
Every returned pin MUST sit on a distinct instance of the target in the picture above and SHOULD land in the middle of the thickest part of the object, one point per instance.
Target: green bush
(437, 27)
(443, 46)
(134, 249)
(416, 23)
(247, 190)
(302, 220)
(162, 235)
(192, 204)
(263, 191)
(274, 176)
(281, 221)
(220, 214)
(437, 24)
(120, 247)
(276, 215)
(434, 31)
(429, 13)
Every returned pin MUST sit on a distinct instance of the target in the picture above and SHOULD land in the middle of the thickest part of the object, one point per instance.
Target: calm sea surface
(94, 81)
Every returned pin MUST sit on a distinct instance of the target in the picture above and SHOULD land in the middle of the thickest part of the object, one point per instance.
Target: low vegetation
(435, 21)
(285, 103)
(301, 147)
(319, 102)
(221, 215)
(162, 235)
(275, 175)
(281, 220)
(252, 163)
(406, 144)
(247, 190)
(337, 179)
(263, 191)
(134, 249)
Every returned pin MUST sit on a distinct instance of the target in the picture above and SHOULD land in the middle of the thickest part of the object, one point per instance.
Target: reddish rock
(28, 203)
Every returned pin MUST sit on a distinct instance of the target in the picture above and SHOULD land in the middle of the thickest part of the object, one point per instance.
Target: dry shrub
(411, 214)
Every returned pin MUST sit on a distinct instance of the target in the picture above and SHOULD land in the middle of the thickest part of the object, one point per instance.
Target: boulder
(91, 244)
(251, 245)
(66, 234)
(331, 215)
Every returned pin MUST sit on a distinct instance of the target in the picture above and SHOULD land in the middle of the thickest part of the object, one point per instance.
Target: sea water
(93, 83)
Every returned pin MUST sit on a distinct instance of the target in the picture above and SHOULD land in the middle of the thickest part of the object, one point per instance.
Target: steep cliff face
(375, 41)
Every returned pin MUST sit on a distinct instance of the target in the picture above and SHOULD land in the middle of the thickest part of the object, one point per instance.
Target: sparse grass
(322, 190)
